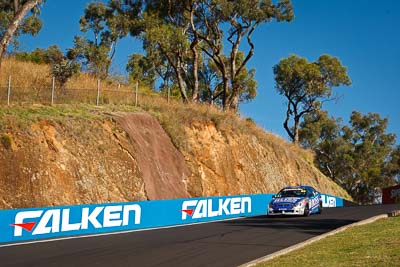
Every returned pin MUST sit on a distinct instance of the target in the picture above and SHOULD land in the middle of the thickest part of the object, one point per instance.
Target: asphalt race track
(227, 243)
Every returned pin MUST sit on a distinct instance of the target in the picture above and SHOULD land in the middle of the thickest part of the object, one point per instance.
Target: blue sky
(364, 34)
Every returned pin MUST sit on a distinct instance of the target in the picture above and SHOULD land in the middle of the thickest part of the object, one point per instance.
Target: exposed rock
(242, 164)
(66, 164)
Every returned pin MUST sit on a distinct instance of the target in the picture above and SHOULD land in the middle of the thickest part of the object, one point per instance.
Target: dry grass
(31, 75)
(88, 82)
(25, 74)
(31, 83)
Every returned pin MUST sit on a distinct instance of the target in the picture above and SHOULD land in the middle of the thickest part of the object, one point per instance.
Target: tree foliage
(63, 70)
(14, 21)
(306, 86)
(141, 69)
(50, 56)
(188, 36)
(360, 156)
(107, 24)
(61, 67)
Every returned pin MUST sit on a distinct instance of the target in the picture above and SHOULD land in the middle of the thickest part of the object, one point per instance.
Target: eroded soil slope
(162, 166)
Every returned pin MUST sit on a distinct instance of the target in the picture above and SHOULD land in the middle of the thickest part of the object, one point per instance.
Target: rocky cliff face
(76, 161)
(242, 164)
(129, 157)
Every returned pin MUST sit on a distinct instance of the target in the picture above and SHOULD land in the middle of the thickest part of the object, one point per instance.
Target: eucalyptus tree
(107, 23)
(191, 34)
(241, 18)
(359, 156)
(169, 42)
(141, 69)
(15, 21)
(328, 139)
(168, 32)
(306, 86)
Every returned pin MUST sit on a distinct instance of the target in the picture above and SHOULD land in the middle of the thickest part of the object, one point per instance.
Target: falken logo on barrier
(207, 208)
(41, 222)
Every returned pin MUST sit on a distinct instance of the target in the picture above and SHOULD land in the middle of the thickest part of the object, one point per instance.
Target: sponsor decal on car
(207, 208)
(287, 199)
(41, 222)
(314, 202)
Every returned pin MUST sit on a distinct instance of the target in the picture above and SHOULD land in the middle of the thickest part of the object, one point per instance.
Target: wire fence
(14, 94)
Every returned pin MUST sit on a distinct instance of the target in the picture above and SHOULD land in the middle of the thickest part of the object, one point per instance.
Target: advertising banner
(51, 222)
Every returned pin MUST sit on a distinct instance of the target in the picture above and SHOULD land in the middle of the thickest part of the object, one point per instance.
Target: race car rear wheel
(319, 208)
(306, 211)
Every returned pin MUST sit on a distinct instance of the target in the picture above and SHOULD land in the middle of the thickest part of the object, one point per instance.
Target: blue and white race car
(296, 200)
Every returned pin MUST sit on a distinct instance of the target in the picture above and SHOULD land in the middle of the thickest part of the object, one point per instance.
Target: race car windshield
(292, 193)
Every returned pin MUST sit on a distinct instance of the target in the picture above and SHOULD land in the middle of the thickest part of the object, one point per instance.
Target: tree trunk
(234, 101)
(195, 96)
(225, 103)
(182, 85)
(234, 97)
(296, 130)
(286, 123)
(195, 58)
(18, 17)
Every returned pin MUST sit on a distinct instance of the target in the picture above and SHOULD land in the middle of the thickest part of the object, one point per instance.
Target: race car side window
(314, 192)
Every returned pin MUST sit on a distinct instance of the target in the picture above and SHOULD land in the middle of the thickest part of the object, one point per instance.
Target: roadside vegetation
(375, 244)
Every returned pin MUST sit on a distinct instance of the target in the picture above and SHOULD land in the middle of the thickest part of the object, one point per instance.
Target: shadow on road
(319, 225)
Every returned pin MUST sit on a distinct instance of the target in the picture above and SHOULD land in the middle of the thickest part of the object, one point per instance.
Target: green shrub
(5, 139)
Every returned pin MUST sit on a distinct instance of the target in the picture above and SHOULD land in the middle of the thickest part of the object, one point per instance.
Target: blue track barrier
(51, 222)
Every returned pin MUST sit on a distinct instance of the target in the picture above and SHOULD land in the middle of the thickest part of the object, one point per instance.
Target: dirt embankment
(162, 166)
(129, 157)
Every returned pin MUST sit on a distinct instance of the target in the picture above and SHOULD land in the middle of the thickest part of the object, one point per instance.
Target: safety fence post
(9, 90)
(52, 90)
(98, 92)
(136, 93)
